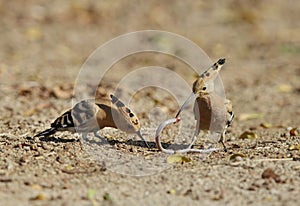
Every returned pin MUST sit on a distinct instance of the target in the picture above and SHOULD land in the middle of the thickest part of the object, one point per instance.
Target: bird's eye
(204, 88)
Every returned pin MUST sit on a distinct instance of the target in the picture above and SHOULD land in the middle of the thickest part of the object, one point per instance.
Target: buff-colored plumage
(92, 115)
(212, 112)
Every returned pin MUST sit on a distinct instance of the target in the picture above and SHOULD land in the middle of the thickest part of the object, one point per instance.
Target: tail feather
(46, 132)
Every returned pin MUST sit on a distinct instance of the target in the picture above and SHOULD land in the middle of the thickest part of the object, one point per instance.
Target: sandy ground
(43, 45)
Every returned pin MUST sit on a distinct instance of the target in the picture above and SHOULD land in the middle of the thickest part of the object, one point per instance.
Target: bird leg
(196, 133)
(222, 140)
(228, 124)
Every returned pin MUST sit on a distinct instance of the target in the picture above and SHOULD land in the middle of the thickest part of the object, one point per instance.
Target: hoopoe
(212, 112)
(92, 115)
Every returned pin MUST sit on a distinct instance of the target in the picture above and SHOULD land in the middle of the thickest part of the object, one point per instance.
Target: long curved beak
(140, 135)
(185, 103)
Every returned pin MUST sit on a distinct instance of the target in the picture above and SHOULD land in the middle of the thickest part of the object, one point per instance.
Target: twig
(78, 171)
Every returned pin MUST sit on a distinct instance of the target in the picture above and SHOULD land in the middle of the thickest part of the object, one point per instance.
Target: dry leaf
(171, 191)
(29, 112)
(248, 135)
(178, 159)
(33, 90)
(248, 116)
(285, 88)
(293, 132)
(91, 196)
(235, 146)
(62, 92)
(218, 196)
(266, 125)
(40, 196)
(294, 147)
(34, 33)
(68, 167)
(270, 174)
(237, 156)
(36, 186)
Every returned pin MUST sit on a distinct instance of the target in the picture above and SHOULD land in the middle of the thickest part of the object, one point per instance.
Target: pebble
(45, 146)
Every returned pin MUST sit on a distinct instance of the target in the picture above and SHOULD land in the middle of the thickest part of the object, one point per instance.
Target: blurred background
(39, 39)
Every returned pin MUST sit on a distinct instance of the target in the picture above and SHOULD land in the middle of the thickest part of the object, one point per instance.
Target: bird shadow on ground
(57, 139)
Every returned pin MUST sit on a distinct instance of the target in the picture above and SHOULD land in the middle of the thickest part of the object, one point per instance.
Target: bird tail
(46, 132)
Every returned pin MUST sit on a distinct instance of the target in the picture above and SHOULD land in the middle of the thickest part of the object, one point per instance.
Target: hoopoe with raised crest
(92, 115)
(212, 112)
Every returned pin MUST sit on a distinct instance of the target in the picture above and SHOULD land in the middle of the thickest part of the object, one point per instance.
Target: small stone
(60, 160)
(270, 174)
(45, 146)
(24, 159)
(26, 148)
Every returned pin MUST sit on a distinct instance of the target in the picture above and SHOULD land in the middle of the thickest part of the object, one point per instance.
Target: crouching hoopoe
(92, 115)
